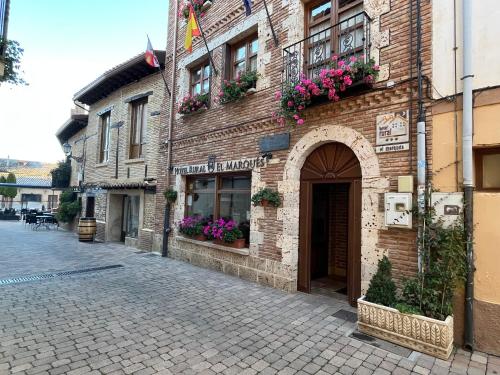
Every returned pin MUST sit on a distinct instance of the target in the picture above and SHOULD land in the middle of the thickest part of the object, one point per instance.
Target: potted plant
(265, 197)
(192, 226)
(241, 86)
(170, 195)
(200, 7)
(226, 232)
(331, 84)
(193, 103)
(421, 317)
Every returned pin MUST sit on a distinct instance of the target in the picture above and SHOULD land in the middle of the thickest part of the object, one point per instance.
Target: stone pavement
(161, 316)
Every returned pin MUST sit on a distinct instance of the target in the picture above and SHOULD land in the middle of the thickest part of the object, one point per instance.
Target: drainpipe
(421, 156)
(166, 219)
(467, 172)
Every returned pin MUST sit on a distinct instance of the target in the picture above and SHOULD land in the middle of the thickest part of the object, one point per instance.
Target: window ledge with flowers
(333, 82)
(224, 233)
(192, 104)
(200, 8)
(235, 89)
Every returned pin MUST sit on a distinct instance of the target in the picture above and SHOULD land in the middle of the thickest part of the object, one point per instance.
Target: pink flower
(300, 107)
(300, 121)
(353, 59)
(335, 57)
(376, 67)
(341, 63)
(296, 117)
(277, 95)
(290, 103)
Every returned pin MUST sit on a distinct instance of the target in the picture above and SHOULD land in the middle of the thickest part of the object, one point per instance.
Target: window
(131, 221)
(31, 197)
(345, 39)
(53, 199)
(138, 125)
(487, 162)
(226, 196)
(104, 120)
(244, 56)
(200, 79)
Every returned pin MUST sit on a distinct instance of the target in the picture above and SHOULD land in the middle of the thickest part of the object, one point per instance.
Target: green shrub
(170, 195)
(382, 289)
(69, 207)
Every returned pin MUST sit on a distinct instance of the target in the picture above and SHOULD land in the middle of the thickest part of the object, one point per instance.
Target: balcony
(349, 37)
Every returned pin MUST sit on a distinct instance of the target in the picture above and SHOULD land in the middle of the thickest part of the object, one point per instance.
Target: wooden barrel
(86, 229)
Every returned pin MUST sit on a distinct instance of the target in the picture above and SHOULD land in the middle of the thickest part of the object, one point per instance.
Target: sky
(67, 44)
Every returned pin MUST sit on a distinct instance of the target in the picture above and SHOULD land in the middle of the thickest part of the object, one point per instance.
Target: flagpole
(276, 42)
(159, 67)
(204, 40)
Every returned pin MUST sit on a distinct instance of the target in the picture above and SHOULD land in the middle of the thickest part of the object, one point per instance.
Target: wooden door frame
(354, 235)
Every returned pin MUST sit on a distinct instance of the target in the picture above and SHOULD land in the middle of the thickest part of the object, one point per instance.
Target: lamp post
(79, 159)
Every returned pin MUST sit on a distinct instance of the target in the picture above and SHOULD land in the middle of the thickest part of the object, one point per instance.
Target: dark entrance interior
(329, 238)
(90, 207)
(330, 223)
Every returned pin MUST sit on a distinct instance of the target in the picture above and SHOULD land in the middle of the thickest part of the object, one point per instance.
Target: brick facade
(232, 131)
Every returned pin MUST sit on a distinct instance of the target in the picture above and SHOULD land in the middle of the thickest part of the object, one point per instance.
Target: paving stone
(187, 320)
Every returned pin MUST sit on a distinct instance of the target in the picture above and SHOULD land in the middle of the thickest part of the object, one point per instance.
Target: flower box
(200, 237)
(237, 244)
(417, 332)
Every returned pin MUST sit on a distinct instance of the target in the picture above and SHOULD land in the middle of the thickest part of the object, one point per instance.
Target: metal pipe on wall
(421, 145)
(468, 171)
(166, 219)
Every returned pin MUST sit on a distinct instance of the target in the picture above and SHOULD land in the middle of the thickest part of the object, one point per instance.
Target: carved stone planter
(417, 332)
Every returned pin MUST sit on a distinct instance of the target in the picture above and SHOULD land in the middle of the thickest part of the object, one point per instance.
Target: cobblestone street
(160, 316)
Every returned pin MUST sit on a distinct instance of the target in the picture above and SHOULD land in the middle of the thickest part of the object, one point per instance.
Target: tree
(10, 192)
(2, 190)
(12, 53)
(61, 175)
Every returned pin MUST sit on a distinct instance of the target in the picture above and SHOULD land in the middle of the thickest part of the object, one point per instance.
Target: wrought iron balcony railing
(349, 37)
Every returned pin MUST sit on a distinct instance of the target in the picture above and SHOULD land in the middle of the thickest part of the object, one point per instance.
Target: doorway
(90, 207)
(330, 223)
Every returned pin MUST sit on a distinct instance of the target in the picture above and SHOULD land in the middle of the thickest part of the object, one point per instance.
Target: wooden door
(304, 266)
(354, 252)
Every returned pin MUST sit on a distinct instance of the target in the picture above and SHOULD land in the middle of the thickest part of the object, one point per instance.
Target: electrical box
(398, 208)
(405, 184)
(447, 206)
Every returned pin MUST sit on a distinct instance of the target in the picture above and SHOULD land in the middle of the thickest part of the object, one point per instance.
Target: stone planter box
(417, 332)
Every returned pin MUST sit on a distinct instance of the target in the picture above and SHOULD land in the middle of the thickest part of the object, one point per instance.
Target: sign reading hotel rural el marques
(392, 132)
(213, 166)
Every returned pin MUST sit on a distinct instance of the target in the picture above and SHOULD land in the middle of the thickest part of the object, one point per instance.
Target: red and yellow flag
(192, 30)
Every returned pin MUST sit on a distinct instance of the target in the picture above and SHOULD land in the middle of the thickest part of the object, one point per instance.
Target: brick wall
(232, 131)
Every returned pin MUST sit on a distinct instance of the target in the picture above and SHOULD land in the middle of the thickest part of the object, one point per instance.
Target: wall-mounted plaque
(392, 129)
(274, 142)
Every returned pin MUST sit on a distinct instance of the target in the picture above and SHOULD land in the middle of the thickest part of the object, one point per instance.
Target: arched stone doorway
(330, 222)
(372, 186)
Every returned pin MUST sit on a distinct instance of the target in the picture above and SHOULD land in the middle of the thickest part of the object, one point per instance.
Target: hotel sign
(213, 166)
(392, 132)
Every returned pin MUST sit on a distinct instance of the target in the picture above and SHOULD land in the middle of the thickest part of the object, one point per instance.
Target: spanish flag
(191, 31)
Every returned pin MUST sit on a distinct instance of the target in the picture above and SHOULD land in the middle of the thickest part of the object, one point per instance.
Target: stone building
(119, 151)
(447, 151)
(331, 171)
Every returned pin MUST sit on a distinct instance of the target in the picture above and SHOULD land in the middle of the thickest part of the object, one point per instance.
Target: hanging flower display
(331, 82)
(199, 6)
(193, 103)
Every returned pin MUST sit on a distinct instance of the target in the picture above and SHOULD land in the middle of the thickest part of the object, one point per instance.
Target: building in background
(448, 49)
(33, 184)
(119, 155)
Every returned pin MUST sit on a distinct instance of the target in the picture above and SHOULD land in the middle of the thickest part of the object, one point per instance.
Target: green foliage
(382, 289)
(61, 175)
(235, 89)
(69, 207)
(170, 195)
(12, 59)
(2, 189)
(444, 268)
(407, 309)
(266, 194)
(10, 192)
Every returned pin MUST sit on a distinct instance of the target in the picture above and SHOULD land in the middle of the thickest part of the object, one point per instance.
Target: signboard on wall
(392, 132)
(213, 166)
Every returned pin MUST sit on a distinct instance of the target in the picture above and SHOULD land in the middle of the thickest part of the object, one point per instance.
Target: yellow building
(447, 145)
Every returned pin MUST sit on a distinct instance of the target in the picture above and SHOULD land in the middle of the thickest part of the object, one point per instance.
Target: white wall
(485, 48)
